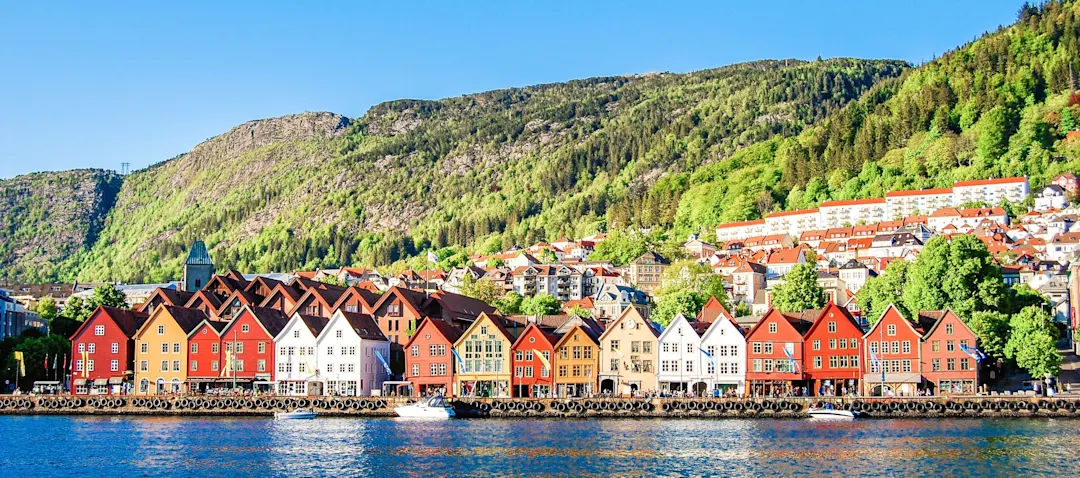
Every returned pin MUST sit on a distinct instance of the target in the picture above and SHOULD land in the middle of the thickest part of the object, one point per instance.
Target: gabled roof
(494, 321)
(591, 327)
(366, 296)
(128, 321)
(209, 298)
(913, 326)
(327, 296)
(412, 299)
(832, 310)
(215, 325)
(634, 313)
(461, 306)
(364, 325)
(450, 333)
(794, 321)
(286, 290)
(785, 256)
(314, 323)
(549, 337)
(680, 318)
(714, 310)
(187, 319)
(987, 182)
(168, 296)
(260, 280)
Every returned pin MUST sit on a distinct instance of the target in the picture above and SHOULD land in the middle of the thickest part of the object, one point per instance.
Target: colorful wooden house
(161, 350)
(946, 368)
(483, 369)
(892, 358)
(577, 358)
(774, 355)
(429, 360)
(831, 350)
(247, 357)
(204, 356)
(533, 354)
(628, 354)
(297, 363)
(103, 349)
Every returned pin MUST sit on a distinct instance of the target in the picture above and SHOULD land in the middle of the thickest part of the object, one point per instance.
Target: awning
(116, 380)
(262, 376)
(101, 381)
(80, 381)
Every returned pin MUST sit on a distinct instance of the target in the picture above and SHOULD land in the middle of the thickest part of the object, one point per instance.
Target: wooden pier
(923, 407)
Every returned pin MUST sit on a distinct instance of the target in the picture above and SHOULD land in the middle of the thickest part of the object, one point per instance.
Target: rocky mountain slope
(47, 217)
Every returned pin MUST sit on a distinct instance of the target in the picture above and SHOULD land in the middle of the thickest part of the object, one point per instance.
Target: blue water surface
(142, 446)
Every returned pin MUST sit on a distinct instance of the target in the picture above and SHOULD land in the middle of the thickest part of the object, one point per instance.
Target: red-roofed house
(945, 365)
(429, 361)
(892, 356)
(774, 355)
(831, 350)
(533, 352)
(104, 351)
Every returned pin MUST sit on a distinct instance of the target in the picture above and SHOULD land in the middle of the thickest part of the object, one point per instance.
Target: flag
(384, 364)
(46, 364)
(22, 367)
(708, 355)
(431, 257)
(227, 365)
(461, 363)
(86, 364)
(794, 364)
(974, 352)
(873, 357)
(543, 359)
(55, 363)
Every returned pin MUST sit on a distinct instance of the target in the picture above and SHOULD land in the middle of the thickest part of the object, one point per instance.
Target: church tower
(198, 269)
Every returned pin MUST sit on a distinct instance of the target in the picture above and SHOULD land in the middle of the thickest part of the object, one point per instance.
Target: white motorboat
(432, 407)
(830, 413)
(298, 414)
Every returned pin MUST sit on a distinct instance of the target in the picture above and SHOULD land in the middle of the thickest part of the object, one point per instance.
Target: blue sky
(95, 85)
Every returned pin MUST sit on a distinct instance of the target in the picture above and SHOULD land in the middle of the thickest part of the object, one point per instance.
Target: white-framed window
(114, 365)
(161, 330)
(82, 347)
(92, 348)
(194, 347)
(416, 370)
(114, 348)
(245, 328)
(144, 348)
(99, 330)
(164, 347)
(144, 365)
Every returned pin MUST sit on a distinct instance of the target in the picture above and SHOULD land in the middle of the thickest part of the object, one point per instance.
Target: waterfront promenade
(914, 407)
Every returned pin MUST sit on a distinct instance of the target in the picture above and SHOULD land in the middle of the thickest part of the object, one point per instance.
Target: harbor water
(205, 446)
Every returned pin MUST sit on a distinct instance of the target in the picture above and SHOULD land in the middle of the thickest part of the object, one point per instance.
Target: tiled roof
(987, 182)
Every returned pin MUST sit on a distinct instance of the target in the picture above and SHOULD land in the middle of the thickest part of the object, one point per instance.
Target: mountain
(47, 217)
(671, 153)
(319, 189)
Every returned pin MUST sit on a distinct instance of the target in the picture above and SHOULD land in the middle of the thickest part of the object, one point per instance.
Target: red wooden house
(204, 356)
(103, 349)
(774, 348)
(831, 350)
(946, 368)
(429, 358)
(248, 347)
(895, 343)
(397, 309)
(532, 376)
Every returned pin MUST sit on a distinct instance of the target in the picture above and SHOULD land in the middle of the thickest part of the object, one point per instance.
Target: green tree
(482, 289)
(1068, 122)
(742, 310)
(885, 289)
(992, 328)
(46, 309)
(1033, 342)
(109, 296)
(713, 286)
(541, 304)
(672, 303)
(800, 290)
(547, 256)
(1023, 296)
(77, 310)
(959, 274)
(580, 311)
(509, 304)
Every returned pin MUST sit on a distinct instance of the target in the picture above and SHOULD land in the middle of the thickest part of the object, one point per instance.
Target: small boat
(298, 414)
(432, 407)
(830, 413)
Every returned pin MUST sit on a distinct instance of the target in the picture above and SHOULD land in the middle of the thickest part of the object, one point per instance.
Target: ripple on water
(97, 446)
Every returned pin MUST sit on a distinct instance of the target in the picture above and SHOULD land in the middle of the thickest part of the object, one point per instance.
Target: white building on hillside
(991, 191)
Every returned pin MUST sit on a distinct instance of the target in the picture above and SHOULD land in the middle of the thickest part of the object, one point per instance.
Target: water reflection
(112, 446)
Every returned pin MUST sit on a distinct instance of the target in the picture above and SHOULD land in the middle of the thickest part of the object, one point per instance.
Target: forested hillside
(999, 106)
(675, 153)
(533, 162)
